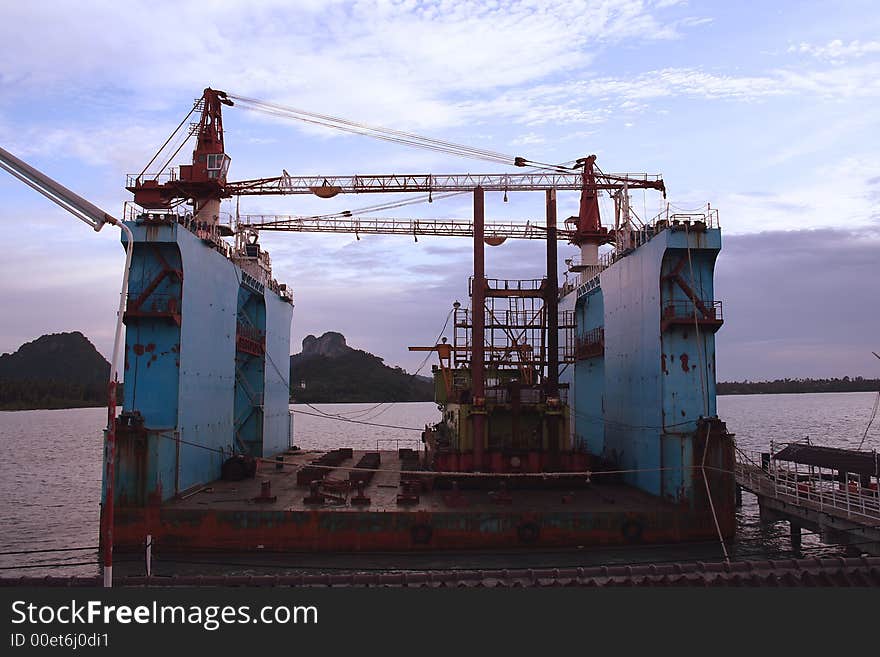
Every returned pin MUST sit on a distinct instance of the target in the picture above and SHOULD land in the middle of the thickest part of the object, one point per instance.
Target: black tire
(421, 534)
(528, 533)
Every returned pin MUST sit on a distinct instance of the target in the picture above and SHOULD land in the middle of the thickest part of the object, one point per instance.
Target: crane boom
(55, 191)
(329, 186)
(392, 226)
(96, 218)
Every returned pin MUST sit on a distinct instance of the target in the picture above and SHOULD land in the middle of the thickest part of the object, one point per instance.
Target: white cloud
(388, 62)
(837, 51)
(94, 144)
(528, 139)
(854, 81)
(844, 195)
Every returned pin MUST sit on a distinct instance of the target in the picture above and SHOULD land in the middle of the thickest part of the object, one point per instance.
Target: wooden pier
(819, 491)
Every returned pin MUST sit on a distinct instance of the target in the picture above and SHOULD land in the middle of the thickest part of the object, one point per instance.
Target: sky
(766, 110)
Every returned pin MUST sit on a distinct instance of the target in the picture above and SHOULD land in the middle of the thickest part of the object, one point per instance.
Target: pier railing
(813, 487)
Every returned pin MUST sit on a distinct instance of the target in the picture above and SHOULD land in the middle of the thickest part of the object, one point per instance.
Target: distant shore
(51, 406)
(61, 406)
(788, 386)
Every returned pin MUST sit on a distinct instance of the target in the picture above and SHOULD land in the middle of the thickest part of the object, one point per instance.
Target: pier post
(795, 537)
(478, 308)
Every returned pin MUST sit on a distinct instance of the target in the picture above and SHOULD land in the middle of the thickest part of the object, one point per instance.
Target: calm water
(50, 480)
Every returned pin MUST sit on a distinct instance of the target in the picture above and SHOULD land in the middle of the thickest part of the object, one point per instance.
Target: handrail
(822, 491)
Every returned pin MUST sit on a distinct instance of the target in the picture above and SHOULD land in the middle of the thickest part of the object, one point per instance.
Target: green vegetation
(846, 384)
(62, 370)
(328, 371)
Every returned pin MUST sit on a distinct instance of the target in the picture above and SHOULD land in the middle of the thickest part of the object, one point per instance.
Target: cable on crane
(176, 130)
(377, 132)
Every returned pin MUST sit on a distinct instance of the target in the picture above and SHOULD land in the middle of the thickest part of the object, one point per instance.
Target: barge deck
(272, 511)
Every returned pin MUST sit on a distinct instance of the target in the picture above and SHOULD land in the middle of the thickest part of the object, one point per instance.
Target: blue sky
(765, 109)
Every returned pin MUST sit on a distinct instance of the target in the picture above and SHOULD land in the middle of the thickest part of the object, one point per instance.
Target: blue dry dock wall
(207, 360)
(633, 390)
(276, 411)
(687, 352)
(589, 407)
(250, 364)
(152, 362)
(180, 365)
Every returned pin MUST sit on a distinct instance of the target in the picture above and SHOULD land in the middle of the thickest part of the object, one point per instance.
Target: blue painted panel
(632, 362)
(151, 366)
(688, 355)
(152, 343)
(276, 411)
(207, 359)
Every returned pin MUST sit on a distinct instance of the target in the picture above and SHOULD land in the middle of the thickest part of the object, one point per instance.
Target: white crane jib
(96, 218)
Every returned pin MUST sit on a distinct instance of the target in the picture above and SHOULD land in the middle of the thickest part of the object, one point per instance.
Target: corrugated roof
(848, 460)
(862, 571)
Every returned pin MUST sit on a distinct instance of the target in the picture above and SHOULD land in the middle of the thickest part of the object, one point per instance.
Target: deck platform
(270, 511)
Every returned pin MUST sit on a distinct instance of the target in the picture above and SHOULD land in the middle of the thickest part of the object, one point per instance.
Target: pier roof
(845, 460)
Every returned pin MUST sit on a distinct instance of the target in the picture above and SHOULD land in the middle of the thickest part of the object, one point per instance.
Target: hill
(61, 370)
(328, 370)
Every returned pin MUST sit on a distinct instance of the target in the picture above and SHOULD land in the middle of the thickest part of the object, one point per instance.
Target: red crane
(203, 182)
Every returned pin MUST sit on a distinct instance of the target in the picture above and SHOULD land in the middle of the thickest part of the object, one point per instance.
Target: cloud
(528, 139)
(843, 195)
(837, 51)
(398, 62)
(116, 145)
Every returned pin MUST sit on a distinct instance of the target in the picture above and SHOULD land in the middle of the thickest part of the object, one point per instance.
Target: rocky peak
(331, 344)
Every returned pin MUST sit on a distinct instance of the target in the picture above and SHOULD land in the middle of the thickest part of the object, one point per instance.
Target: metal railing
(708, 218)
(816, 488)
(590, 344)
(684, 309)
(397, 441)
(509, 284)
(133, 179)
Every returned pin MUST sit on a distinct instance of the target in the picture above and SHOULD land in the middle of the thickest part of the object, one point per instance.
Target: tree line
(30, 394)
(845, 384)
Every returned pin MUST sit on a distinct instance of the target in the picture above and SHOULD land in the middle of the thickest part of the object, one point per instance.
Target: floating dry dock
(571, 415)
